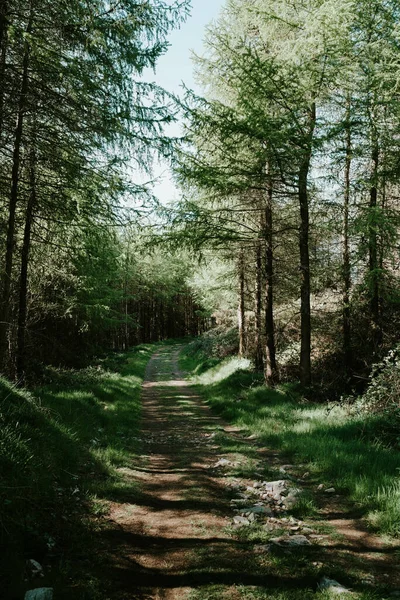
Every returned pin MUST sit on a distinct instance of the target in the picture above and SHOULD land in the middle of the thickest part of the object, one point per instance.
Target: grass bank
(337, 446)
(60, 449)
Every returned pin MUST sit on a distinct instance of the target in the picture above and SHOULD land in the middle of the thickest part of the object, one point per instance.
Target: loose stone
(241, 521)
(39, 594)
(332, 586)
(293, 540)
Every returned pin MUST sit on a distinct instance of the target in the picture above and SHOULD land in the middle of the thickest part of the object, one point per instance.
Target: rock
(34, 568)
(321, 486)
(39, 594)
(257, 485)
(241, 521)
(275, 486)
(298, 540)
(332, 586)
(293, 540)
(330, 490)
(261, 510)
(306, 475)
(307, 530)
(223, 462)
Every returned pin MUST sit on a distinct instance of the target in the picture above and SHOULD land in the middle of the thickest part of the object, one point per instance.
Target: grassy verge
(337, 447)
(60, 449)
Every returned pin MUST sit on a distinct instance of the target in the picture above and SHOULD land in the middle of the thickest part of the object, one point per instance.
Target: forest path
(176, 539)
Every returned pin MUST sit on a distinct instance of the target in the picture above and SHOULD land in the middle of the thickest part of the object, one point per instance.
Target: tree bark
(23, 286)
(373, 243)
(305, 308)
(347, 352)
(270, 368)
(259, 361)
(3, 54)
(241, 307)
(7, 274)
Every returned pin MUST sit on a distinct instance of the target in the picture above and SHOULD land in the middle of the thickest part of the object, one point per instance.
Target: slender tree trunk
(373, 243)
(259, 361)
(126, 300)
(3, 54)
(241, 307)
(346, 250)
(305, 308)
(23, 286)
(270, 368)
(7, 274)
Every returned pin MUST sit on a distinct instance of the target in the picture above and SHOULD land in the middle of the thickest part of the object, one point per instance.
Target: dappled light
(199, 299)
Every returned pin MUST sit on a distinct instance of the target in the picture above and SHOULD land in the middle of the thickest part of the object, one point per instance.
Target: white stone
(293, 540)
(39, 594)
(241, 521)
(332, 586)
(223, 462)
(275, 486)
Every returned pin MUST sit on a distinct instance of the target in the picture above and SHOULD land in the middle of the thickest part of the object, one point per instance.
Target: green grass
(217, 592)
(337, 448)
(60, 447)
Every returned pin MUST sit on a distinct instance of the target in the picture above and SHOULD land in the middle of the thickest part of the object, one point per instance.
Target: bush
(216, 343)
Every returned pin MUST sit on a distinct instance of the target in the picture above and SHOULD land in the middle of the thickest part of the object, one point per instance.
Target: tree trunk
(23, 286)
(305, 308)
(346, 250)
(7, 274)
(3, 54)
(241, 307)
(373, 243)
(259, 361)
(270, 368)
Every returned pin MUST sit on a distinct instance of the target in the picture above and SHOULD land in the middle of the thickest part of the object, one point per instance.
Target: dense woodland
(77, 118)
(279, 265)
(290, 170)
(287, 227)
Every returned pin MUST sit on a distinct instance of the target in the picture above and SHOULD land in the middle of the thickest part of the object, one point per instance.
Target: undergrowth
(338, 445)
(60, 447)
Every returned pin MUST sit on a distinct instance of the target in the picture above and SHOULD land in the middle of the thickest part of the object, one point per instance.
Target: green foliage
(338, 447)
(60, 446)
(71, 74)
(216, 343)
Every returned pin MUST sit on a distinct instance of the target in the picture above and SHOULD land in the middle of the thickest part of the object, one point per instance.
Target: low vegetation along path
(199, 528)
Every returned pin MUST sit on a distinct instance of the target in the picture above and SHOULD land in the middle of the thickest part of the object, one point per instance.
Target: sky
(176, 67)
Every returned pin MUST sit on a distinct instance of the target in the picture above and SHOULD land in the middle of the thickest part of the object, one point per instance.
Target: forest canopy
(290, 171)
(286, 229)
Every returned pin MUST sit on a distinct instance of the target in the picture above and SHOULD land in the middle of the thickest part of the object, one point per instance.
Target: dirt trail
(171, 538)
(165, 543)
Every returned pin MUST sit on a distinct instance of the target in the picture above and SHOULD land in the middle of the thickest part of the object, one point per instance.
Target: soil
(175, 538)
